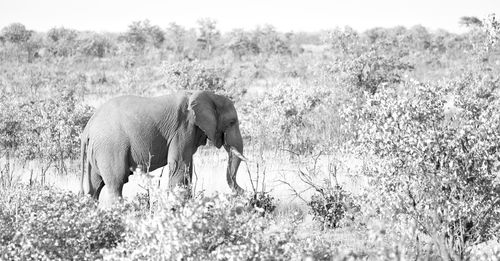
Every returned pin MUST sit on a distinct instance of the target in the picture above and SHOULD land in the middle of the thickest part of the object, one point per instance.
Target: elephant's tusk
(239, 155)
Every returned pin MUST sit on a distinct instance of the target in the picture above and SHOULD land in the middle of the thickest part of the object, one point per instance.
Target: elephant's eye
(232, 122)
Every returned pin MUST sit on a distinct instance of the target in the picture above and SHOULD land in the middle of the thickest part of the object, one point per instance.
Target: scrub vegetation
(374, 145)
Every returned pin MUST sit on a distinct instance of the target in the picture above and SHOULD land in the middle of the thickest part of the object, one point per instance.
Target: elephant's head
(216, 116)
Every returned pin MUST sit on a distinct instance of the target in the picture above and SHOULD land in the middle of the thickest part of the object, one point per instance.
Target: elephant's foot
(109, 198)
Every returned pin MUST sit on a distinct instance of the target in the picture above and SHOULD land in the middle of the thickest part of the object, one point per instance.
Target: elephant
(131, 131)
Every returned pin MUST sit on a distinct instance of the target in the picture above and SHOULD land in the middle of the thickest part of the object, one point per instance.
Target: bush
(287, 120)
(45, 224)
(43, 129)
(329, 208)
(269, 42)
(96, 45)
(435, 164)
(142, 35)
(196, 75)
(196, 229)
(16, 33)
(262, 202)
(62, 41)
(371, 69)
(10, 126)
(212, 228)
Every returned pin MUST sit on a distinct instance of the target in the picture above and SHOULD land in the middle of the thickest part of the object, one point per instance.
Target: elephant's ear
(205, 115)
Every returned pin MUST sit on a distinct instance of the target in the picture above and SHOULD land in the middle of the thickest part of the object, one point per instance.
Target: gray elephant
(130, 131)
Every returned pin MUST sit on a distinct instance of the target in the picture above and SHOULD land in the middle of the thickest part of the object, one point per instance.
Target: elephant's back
(130, 104)
(116, 115)
(124, 103)
(125, 108)
(130, 121)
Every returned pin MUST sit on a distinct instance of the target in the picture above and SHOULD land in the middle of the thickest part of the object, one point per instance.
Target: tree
(156, 36)
(492, 28)
(240, 43)
(269, 41)
(62, 41)
(16, 33)
(375, 34)
(208, 35)
(61, 34)
(18, 37)
(420, 37)
(470, 21)
(96, 45)
(176, 37)
(347, 40)
(142, 34)
(135, 36)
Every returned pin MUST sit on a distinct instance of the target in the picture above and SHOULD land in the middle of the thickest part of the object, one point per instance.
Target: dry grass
(271, 168)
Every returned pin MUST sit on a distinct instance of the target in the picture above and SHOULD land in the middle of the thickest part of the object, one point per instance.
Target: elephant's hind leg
(110, 195)
(111, 192)
(114, 175)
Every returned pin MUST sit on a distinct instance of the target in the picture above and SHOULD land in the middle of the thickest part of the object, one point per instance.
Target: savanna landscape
(381, 144)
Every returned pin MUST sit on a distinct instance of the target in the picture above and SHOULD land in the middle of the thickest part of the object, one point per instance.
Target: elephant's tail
(84, 161)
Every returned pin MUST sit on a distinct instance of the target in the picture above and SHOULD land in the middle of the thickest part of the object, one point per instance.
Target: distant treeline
(205, 41)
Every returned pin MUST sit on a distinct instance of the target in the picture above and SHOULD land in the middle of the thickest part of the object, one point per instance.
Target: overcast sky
(285, 15)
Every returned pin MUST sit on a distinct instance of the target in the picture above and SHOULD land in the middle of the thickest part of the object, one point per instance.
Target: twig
(257, 179)
(264, 179)
(316, 161)
(290, 151)
(295, 192)
(250, 177)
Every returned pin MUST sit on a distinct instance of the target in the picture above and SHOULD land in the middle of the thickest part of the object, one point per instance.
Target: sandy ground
(210, 174)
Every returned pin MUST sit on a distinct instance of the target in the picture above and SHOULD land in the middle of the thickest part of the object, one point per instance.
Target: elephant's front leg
(180, 173)
(180, 165)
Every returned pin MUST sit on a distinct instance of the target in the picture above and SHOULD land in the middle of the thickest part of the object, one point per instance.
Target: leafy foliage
(422, 113)
(263, 202)
(16, 33)
(46, 129)
(96, 45)
(268, 41)
(208, 35)
(177, 39)
(195, 75)
(329, 208)
(437, 166)
(241, 44)
(371, 70)
(286, 118)
(142, 34)
(213, 228)
(62, 41)
(44, 224)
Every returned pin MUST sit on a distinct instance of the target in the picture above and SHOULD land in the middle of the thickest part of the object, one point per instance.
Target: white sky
(292, 15)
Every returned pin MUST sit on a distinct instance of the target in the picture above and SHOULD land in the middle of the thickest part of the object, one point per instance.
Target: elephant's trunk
(234, 146)
(232, 169)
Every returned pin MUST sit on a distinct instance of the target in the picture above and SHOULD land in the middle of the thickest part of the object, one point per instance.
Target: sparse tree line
(203, 42)
(206, 41)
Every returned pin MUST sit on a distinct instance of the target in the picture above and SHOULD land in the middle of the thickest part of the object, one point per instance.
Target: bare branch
(296, 193)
